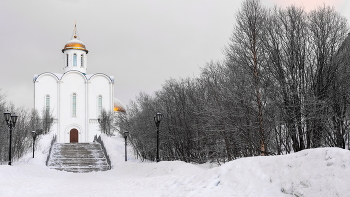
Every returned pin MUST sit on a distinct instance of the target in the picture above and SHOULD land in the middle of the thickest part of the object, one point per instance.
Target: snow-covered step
(78, 157)
(80, 161)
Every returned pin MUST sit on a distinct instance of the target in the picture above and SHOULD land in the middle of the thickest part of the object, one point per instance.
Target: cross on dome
(75, 43)
(75, 30)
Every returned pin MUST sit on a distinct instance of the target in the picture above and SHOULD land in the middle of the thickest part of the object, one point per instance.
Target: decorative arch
(36, 78)
(68, 132)
(102, 75)
(74, 71)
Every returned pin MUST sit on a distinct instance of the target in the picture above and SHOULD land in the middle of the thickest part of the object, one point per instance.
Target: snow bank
(42, 148)
(315, 172)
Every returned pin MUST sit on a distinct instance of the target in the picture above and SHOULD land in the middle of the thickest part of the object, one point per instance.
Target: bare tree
(246, 49)
(327, 32)
(47, 120)
(106, 122)
(266, 93)
(286, 47)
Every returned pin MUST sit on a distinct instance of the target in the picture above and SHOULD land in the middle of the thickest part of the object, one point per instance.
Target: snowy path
(27, 181)
(316, 172)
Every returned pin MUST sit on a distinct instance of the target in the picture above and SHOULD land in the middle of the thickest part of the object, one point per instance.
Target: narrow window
(67, 59)
(82, 60)
(75, 59)
(47, 103)
(74, 105)
(99, 105)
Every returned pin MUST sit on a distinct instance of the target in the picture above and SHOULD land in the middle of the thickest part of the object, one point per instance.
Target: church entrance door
(73, 136)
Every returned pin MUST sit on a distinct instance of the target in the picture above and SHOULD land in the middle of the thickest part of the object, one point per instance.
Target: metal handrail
(54, 138)
(99, 140)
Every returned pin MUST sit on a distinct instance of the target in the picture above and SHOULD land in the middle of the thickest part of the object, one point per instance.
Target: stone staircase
(78, 157)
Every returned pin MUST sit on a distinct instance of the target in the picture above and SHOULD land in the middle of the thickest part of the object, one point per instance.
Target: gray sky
(140, 42)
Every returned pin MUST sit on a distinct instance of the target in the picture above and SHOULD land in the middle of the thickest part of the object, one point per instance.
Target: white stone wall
(47, 84)
(70, 66)
(99, 84)
(72, 82)
(61, 88)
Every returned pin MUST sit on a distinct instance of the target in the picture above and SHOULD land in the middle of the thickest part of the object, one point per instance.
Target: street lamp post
(35, 135)
(11, 120)
(125, 137)
(157, 119)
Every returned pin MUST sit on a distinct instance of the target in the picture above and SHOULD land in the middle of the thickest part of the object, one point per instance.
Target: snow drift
(314, 172)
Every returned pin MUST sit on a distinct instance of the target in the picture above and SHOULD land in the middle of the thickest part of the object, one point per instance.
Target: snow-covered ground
(315, 172)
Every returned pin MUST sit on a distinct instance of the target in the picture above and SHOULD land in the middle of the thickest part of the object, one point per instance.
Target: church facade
(74, 98)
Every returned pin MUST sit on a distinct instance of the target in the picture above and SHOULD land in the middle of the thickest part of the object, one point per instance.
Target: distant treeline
(283, 86)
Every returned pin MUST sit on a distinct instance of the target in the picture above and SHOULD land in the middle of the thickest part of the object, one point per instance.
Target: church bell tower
(75, 54)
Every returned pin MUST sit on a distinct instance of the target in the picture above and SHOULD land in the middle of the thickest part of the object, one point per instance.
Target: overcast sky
(140, 42)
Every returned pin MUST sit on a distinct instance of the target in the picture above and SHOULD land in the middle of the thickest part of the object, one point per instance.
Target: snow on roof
(60, 75)
(88, 75)
(75, 41)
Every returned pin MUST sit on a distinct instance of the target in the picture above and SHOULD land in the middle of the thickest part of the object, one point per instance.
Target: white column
(86, 111)
(59, 111)
(111, 96)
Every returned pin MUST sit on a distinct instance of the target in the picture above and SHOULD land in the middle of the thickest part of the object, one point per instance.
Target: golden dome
(118, 106)
(118, 109)
(75, 44)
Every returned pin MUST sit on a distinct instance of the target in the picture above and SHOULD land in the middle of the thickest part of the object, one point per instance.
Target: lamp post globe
(7, 115)
(14, 119)
(157, 118)
(126, 134)
(33, 134)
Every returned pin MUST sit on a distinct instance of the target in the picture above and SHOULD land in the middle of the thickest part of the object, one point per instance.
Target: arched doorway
(73, 136)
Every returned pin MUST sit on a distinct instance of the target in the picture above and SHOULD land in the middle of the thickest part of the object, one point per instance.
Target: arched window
(82, 60)
(47, 103)
(74, 59)
(74, 105)
(67, 59)
(99, 105)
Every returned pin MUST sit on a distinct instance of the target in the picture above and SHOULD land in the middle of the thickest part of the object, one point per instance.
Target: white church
(74, 98)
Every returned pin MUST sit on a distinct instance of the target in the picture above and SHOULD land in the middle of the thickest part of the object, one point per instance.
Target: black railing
(54, 138)
(99, 140)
